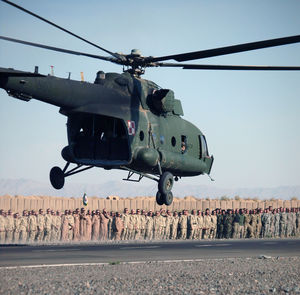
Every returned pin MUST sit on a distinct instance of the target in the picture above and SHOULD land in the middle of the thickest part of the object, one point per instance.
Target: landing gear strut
(164, 194)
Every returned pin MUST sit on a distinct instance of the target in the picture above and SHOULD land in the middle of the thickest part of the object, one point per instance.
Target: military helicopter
(122, 121)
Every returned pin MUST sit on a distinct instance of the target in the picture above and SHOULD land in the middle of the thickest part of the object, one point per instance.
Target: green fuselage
(119, 121)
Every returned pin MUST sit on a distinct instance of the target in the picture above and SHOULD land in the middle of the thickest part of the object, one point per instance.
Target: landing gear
(57, 175)
(164, 194)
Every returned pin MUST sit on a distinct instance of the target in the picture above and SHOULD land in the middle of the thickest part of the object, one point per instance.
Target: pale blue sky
(251, 119)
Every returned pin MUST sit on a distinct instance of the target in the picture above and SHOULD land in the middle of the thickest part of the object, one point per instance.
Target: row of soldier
(80, 225)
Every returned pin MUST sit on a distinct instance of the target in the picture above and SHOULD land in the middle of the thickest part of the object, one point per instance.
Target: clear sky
(251, 119)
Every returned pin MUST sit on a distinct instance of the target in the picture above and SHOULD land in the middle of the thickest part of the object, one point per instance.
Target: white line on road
(148, 247)
(56, 250)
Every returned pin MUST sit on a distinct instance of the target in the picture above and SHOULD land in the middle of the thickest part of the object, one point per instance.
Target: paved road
(21, 255)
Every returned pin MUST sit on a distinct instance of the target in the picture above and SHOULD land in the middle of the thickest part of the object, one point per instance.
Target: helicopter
(122, 121)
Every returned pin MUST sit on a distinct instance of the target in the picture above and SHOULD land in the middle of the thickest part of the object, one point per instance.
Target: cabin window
(203, 147)
(142, 136)
(173, 141)
(97, 137)
(183, 144)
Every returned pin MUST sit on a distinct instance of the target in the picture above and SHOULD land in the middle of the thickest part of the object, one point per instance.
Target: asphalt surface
(25, 255)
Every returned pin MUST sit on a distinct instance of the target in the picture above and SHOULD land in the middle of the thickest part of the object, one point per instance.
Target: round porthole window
(173, 141)
(142, 135)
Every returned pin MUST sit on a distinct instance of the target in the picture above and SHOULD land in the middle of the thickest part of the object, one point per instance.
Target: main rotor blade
(59, 49)
(228, 67)
(228, 49)
(118, 56)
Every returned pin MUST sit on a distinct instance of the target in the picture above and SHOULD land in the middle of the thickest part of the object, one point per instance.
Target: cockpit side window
(203, 147)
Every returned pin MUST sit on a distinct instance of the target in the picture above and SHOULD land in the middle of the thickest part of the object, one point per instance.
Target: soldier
(213, 229)
(9, 227)
(220, 225)
(48, 226)
(149, 226)
(57, 224)
(88, 231)
(82, 224)
(76, 230)
(192, 225)
(2, 227)
(182, 223)
(65, 227)
(236, 225)
(200, 223)
(137, 233)
(23, 227)
(96, 225)
(16, 233)
(104, 219)
(157, 226)
(126, 220)
(252, 224)
(258, 224)
(143, 224)
(117, 226)
(174, 226)
(32, 226)
(163, 223)
(294, 221)
(206, 224)
(40, 226)
(247, 227)
(70, 219)
(167, 229)
(289, 225)
(298, 222)
(228, 221)
(283, 222)
(276, 223)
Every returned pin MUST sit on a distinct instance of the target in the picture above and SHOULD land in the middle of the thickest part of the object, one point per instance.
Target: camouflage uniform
(70, 219)
(9, 227)
(200, 223)
(174, 227)
(258, 226)
(276, 225)
(48, 227)
(149, 226)
(298, 223)
(206, 226)
(76, 230)
(182, 224)
(32, 227)
(228, 220)
(143, 225)
(157, 226)
(95, 227)
(40, 226)
(247, 227)
(253, 225)
(23, 229)
(168, 222)
(2, 229)
(192, 225)
(126, 220)
(213, 228)
(117, 227)
(283, 223)
(137, 227)
(17, 222)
